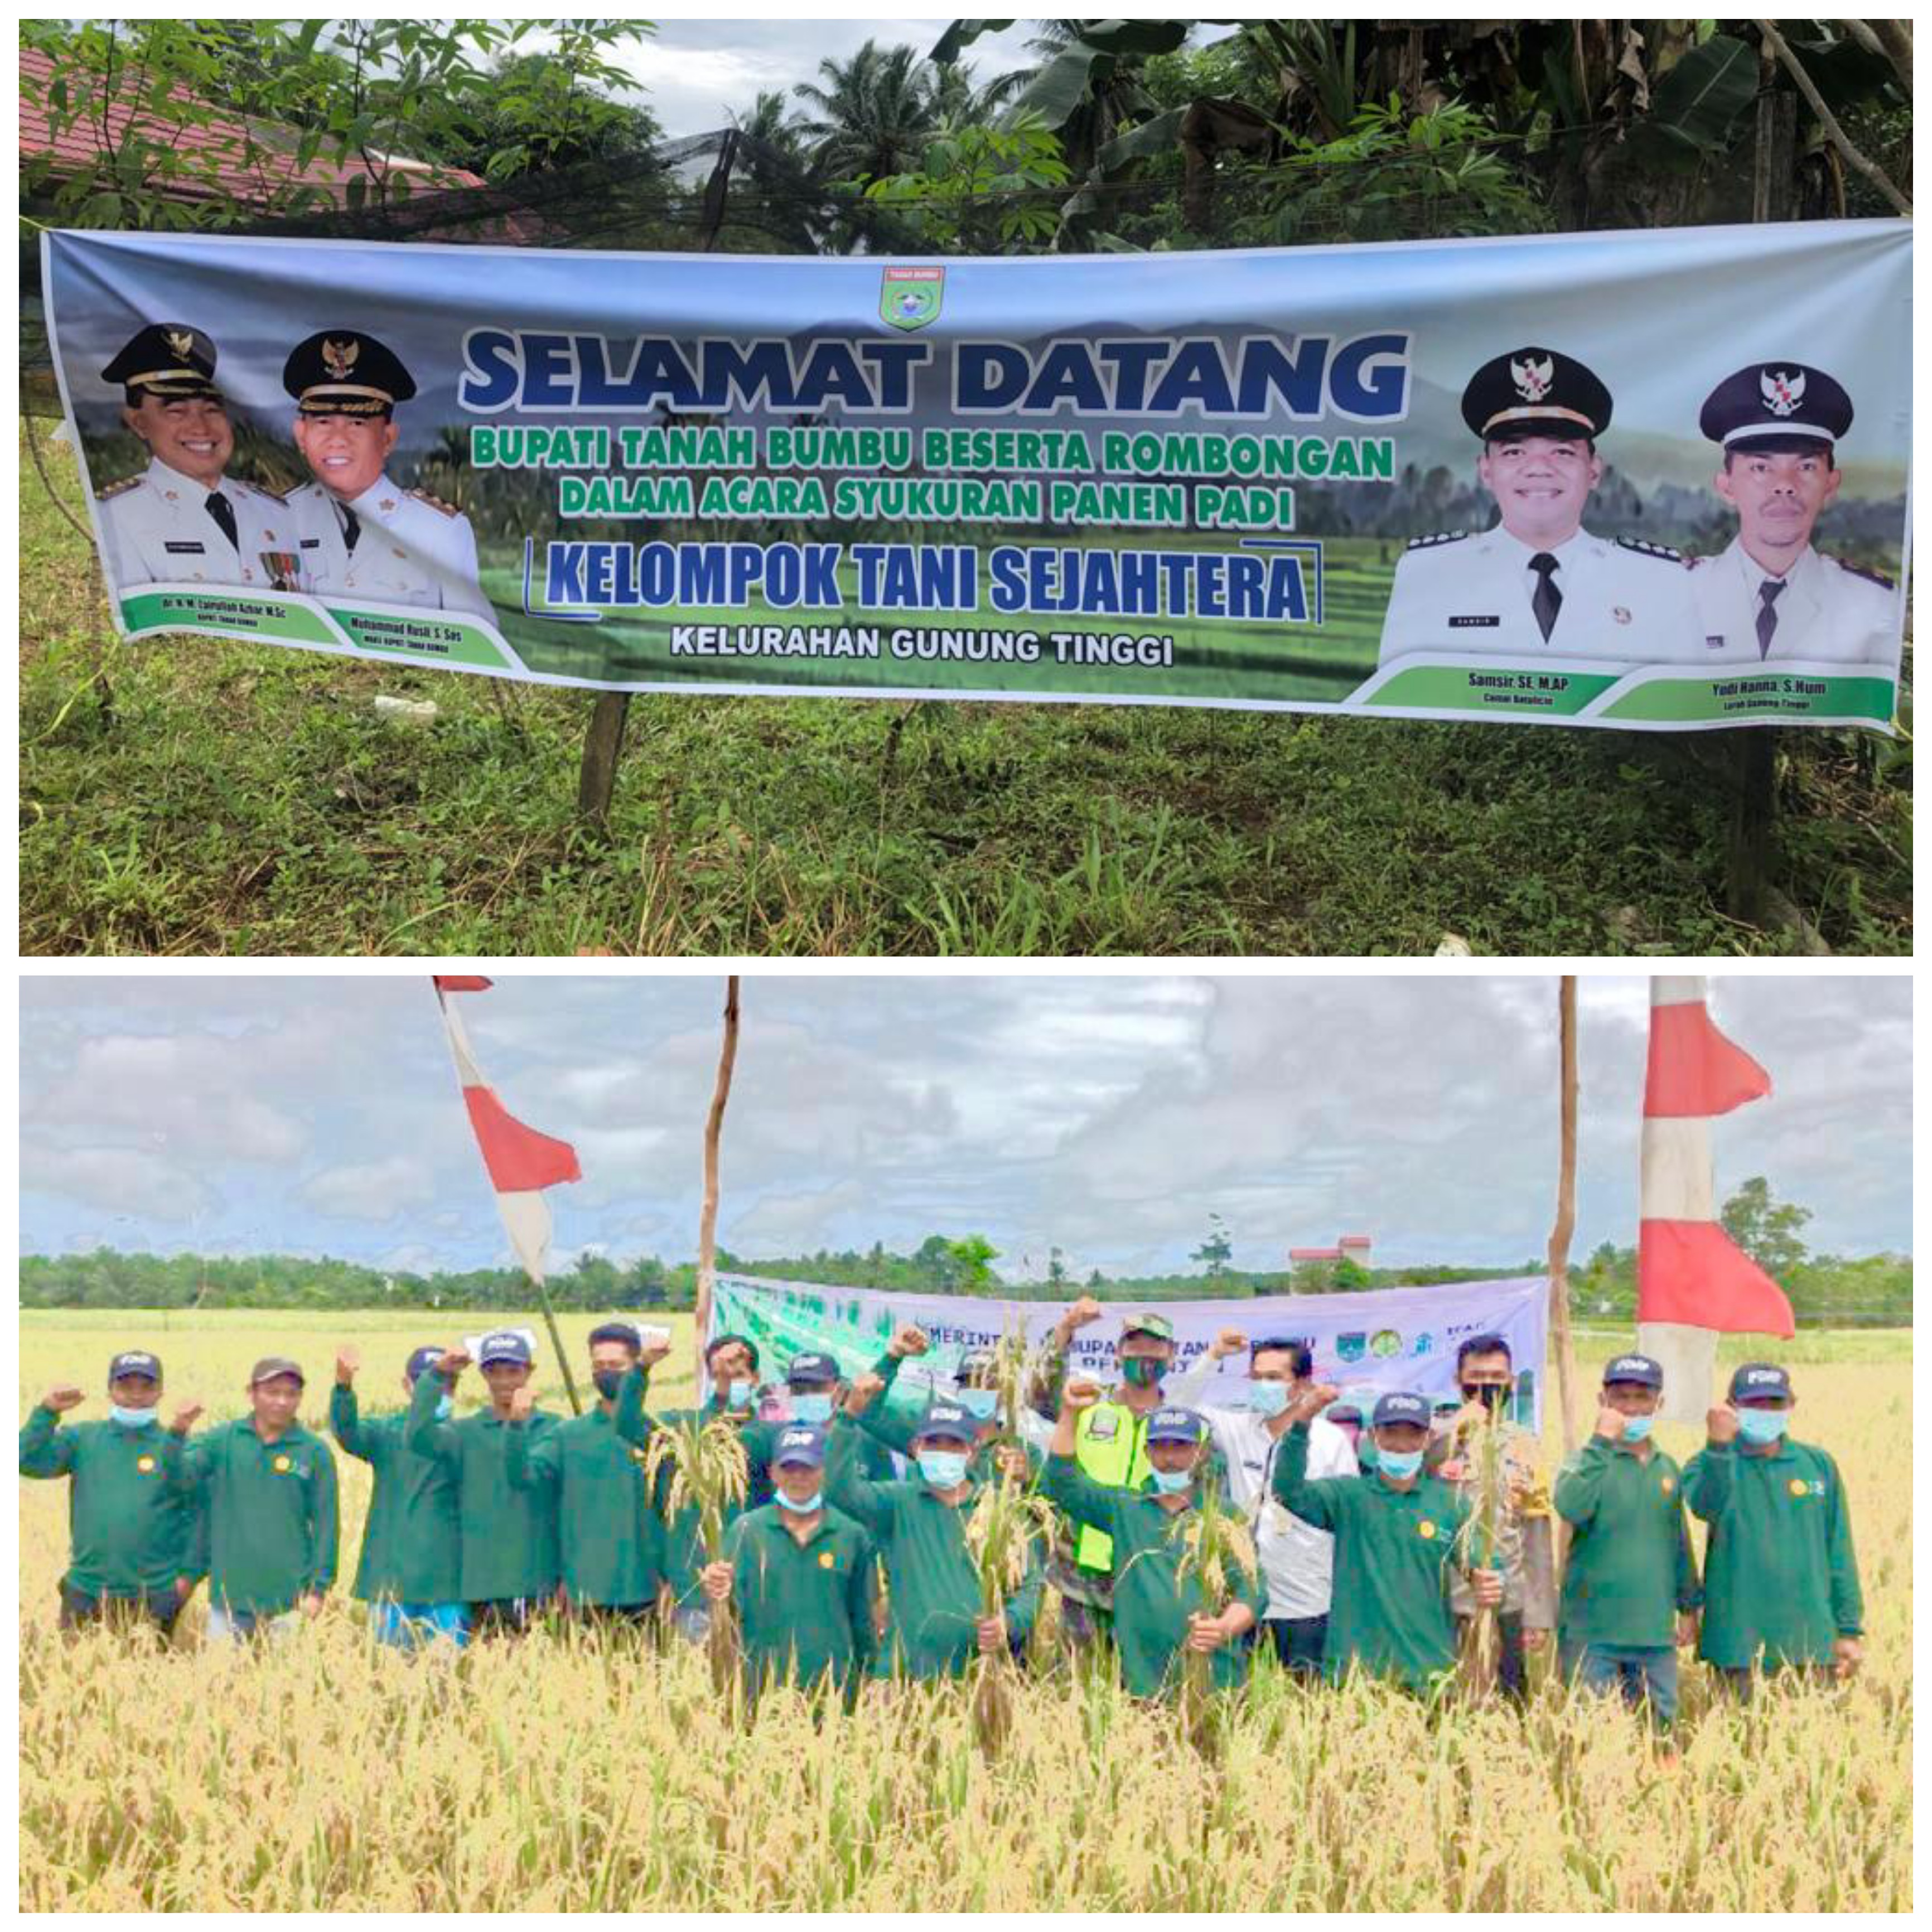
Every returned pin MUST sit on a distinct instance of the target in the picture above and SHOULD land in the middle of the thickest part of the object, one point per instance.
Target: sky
(1109, 1115)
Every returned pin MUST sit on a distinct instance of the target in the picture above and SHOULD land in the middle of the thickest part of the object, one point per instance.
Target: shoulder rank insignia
(121, 488)
(1440, 537)
(1643, 549)
(434, 503)
(1883, 582)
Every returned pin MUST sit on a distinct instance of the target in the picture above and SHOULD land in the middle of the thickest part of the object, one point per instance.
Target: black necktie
(351, 529)
(1769, 592)
(222, 511)
(1548, 600)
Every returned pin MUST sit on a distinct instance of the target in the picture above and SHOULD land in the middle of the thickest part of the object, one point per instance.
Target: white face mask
(134, 1418)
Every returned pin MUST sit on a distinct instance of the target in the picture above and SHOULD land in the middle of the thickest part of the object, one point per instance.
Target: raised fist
(864, 1391)
(1314, 1400)
(1228, 1341)
(522, 1401)
(1609, 1423)
(1081, 1393)
(452, 1362)
(187, 1415)
(348, 1360)
(1084, 1313)
(653, 1353)
(911, 1339)
(1721, 1425)
(61, 1397)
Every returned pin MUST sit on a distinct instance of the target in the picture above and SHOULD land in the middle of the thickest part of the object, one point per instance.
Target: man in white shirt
(1297, 1559)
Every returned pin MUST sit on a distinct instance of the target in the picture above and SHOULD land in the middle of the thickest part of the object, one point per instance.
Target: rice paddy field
(560, 1775)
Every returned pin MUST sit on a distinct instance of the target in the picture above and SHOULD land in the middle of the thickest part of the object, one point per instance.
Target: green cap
(1158, 1326)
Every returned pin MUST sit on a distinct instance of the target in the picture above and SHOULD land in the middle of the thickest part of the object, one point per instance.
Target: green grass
(188, 795)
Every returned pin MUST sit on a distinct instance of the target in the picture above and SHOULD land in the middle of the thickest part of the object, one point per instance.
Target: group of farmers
(484, 1523)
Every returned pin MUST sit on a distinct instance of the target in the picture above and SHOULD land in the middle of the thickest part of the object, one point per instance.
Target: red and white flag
(1692, 1281)
(521, 1161)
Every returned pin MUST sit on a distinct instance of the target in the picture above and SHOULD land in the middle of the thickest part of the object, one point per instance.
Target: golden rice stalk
(708, 1472)
(1014, 1368)
(1007, 1525)
(1488, 1486)
(1216, 1543)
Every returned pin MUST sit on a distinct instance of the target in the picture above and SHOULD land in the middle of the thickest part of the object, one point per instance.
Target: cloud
(133, 1182)
(376, 1190)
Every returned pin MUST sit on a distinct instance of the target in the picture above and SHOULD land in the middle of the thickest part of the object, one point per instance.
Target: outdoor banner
(1382, 1338)
(1647, 479)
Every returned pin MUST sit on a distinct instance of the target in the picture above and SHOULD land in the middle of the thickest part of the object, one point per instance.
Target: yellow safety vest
(1110, 1445)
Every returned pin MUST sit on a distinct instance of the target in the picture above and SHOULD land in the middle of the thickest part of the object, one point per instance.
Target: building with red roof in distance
(1349, 1248)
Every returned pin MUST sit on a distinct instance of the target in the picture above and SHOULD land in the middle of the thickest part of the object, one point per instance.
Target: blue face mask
(806, 1505)
(944, 1469)
(1399, 1463)
(1637, 1427)
(1268, 1398)
(445, 1407)
(982, 1404)
(1758, 1426)
(739, 1394)
(813, 1409)
(1171, 1482)
(134, 1418)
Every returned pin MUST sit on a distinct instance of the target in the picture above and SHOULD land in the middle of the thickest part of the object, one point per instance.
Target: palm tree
(874, 115)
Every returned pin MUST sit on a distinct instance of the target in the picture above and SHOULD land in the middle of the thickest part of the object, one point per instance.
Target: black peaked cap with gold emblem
(1787, 404)
(341, 372)
(1535, 391)
(166, 359)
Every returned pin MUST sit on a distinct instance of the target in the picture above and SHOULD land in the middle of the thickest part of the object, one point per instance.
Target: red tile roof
(250, 159)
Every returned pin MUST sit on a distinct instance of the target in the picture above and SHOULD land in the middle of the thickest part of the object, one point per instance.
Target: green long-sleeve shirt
(1152, 1602)
(509, 1540)
(1780, 1579)
(412, 1542)
(1630, 1570)
(610, 1539)
(933, 1588)
(805, 1610)
(1394, 1552)
(272, 1515)
(680, 1556)
(886, 1429)
(128, 1531)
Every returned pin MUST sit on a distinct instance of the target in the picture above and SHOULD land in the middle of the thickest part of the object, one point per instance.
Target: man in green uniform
(132, 1537)
(1157, 1613)
(802, 1577)
(1110, 1446)
(731, 1363)
(610, 1540)
(268, 1486)
(411, 1573)
(1395, 1530)
(975, 1389)
(510, 1561)
(1630, 1587)
(935, 1627)
(1780, 1582)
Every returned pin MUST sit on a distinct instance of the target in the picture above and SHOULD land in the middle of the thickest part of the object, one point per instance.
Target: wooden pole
(1752, 843)
(1566, 1214)
(707, 1220)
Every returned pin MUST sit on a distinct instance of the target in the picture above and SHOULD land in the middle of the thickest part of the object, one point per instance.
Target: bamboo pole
(1566, 1214)
(707, 1221)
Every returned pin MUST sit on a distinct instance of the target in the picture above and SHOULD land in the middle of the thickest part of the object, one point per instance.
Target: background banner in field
(1391, 1338)
(1291, 479)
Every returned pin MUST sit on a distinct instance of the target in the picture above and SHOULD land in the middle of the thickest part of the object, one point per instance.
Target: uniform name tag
(186, 550)
(1473, 623)
(311, 543)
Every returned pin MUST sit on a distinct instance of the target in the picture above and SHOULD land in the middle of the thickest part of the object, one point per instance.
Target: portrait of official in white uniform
(184, 520)
(1538, 586)
(362, 537)
(1768, 596)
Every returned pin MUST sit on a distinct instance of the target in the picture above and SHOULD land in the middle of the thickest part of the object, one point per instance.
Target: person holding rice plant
(801, 1577)
(510, 1562)
(1111, 1446)
(1396, 1531)
(1523, 1529)
(132, 1537)
(268, 1487)
(976, 1388)
(936, 1624)
(1780, 1581)
(1297, 1559)
(1631, 1592)
(1164, 1605)
(411, 1571)
(610, 1537)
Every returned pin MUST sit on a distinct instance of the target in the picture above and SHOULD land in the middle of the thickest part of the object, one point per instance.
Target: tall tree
(1766, 1229)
